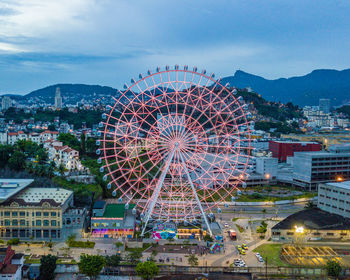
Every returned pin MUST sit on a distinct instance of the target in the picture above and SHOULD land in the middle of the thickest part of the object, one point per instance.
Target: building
(112, 220)
(10, 264)
(335, 198)
(311, 224)
(312, 168)
(38, 213)
(12, 137)
(324, 105)
(63, 155)
(58, 99)
(283, 149)
(327, 139)
(266, 166)
(6, 103)
(10, 187)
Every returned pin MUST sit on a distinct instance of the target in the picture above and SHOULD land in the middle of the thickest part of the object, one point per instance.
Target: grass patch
(144, 247)
(272, 253)
(235, 219)
(263, 198)
(81, 244)
(240, 228)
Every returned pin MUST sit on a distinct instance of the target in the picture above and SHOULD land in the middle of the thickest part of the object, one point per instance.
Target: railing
(172, 269)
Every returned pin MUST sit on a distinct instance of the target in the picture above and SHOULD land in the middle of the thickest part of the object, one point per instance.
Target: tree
(113, 260)
(47, 267)
(5, 154)
(91, 265)
(82, 143)
(61, 169)
(69, 140)
(134, 257)
(208, 238)
(17, 160)
(310, 205)
(192, 260)
(147, 270)
(333, 268)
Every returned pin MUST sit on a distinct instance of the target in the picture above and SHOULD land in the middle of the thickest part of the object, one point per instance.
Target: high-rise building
(58, 99)
(6, 103)
(324, 105)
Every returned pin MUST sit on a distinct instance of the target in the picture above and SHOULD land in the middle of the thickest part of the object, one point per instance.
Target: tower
(58, 99)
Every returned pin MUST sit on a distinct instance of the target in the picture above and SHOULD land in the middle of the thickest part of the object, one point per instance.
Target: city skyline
(107, 42)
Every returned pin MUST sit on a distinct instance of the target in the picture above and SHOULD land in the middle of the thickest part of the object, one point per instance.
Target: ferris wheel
(176, 143)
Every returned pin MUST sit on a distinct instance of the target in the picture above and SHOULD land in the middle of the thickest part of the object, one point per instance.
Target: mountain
(302, 90)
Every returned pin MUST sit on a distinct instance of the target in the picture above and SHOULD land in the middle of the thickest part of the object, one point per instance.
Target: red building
(284, 149)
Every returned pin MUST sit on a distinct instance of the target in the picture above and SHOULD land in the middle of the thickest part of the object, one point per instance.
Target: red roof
(9, 269)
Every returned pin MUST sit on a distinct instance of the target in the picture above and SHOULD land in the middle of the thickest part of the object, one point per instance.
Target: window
(14, 214)
(22, 222)
(38, 214)
(7, 214)
(46, 214)
(7, 222)
(290, 233)
(53, 223)
(38, 223)
(46, 223)
(15, 222)
(22, 214)
(53, 214)
(330, 233)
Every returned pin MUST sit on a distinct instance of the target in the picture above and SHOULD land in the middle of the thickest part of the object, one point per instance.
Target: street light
(299, 229)
(267, 176)
(339, 178)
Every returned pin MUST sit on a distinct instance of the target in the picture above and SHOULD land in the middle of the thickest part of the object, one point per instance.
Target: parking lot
(309, 256)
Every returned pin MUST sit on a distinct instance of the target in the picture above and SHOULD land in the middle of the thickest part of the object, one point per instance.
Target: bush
(13, 241)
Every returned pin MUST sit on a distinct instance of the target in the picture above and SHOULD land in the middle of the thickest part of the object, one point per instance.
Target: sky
(108, 42)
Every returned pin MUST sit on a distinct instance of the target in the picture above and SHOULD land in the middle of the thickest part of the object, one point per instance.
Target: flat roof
(343, 185)
(9, 187)
(115, 210)
(314, 219)
(322, 153)
(99, 204)
(294, 142)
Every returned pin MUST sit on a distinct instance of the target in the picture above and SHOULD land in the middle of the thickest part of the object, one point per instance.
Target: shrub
(13, 241)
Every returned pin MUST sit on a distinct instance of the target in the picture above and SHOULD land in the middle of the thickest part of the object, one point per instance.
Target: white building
(335, 198)
(64, 155)
(6, 103)
(12, 137)
(266, 166)
(58, 99)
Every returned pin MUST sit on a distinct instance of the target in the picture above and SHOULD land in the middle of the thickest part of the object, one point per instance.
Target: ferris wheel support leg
(157, 191)
(195, 194)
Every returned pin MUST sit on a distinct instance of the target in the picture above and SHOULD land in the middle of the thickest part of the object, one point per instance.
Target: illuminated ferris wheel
(176, 143)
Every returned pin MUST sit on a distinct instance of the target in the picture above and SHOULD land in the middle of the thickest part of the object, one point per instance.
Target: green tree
(17, 160)
(134, 257)
(192, 260)
(5, 154)
(82, 143)
(91, 265)
(47, 267)
(91, 145)
(333, 268)
(208, 238)
(147, 270)
(113, 260)
(310, 205)
(69, 140)
(61, 169)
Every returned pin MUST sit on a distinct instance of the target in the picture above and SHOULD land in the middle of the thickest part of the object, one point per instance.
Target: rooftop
(321, 153)
(99, 204)
(294, 142)
(9, 187)
(314, 219)
(116, 210)
(35, 195)
(343, 185)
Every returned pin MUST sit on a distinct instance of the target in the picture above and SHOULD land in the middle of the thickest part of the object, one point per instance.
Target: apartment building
(312, 168)
(335, 198)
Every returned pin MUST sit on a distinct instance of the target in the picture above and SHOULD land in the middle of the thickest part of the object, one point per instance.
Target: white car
(226, 225)
(258, 255)
(239, 263)
(261, 259)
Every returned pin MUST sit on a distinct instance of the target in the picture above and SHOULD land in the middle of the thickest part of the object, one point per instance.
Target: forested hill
(302, 90)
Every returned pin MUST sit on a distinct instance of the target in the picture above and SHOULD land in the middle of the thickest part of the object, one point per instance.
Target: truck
(232, 234)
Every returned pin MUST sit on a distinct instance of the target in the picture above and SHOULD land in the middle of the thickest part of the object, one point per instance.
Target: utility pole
(266, 268)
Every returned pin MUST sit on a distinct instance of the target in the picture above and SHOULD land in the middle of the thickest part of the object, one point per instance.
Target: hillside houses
(63, 155)
(11, 138)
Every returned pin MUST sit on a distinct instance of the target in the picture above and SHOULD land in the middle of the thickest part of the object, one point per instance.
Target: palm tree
(192, 260)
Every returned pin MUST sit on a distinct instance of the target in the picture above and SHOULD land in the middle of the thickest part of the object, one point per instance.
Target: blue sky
(108, 42)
